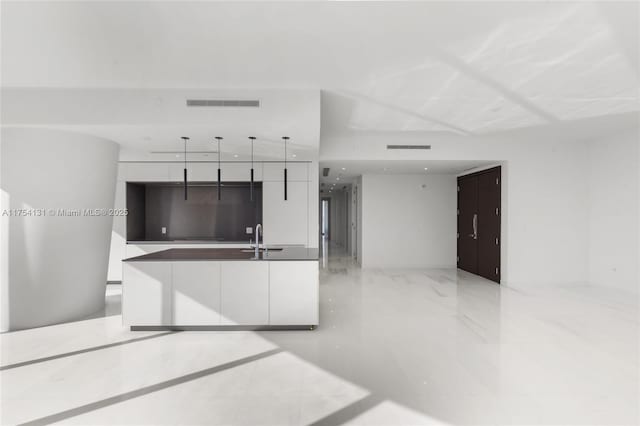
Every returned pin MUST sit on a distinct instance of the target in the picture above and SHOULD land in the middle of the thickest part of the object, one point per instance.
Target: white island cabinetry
(245, 293)
(236, 293)
(148, 301)
(293, 293)
(196, 293)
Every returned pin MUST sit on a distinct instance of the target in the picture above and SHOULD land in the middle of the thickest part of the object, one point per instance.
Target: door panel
(489, 225)
(467, 209)
(479, 223)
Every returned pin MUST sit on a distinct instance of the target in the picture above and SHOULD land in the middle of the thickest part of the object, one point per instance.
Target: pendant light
(219, 138)
(185, 139)
(252, 138)
(286, 138)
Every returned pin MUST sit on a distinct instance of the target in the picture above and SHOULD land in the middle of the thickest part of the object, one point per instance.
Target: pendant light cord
(252, 139)
(285, 138)
(219, 138)
(185, 139)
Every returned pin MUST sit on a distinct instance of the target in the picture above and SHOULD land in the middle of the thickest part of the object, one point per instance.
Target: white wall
(352, 210)
(54, 267)
(545, 201)
(358, 218)
(338, 217)
(408, 221)
(613, 211)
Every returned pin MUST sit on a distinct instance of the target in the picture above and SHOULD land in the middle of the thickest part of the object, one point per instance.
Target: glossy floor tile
(395, 347)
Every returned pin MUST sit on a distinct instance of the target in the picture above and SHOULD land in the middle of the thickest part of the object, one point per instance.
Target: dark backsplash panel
(201, 217)
(136, 208)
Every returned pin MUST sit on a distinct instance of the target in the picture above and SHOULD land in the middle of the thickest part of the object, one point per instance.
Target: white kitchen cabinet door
(196, 172)
(240, 172)
(293, 292)
(147, 172)
(285, 222)
(295, 172)
(146, 293)
(245, 293)
(196, 293)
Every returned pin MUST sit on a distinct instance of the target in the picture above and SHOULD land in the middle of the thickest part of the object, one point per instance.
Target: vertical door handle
(475, 227)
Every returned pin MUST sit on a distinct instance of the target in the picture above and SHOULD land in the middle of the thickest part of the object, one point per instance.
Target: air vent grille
(254, 103)
(408, 146)
(325, 171)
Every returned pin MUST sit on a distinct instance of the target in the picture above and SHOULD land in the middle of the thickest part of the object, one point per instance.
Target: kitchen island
(221, 288)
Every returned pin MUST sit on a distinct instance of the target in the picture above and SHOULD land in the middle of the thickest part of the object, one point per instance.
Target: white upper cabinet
(196, 172)
(208, 172)
(240, 172)
(295, 172)
(201, 172)
(146, 172)
(285, 222)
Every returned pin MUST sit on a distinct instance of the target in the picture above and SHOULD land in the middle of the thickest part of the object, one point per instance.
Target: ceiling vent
(325, 171)
(408, 146)
(233, 103)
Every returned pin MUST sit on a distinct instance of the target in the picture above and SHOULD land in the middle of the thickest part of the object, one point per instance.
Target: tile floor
(395, 347)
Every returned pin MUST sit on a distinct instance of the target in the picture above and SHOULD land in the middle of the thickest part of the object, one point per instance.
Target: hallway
(393, 347)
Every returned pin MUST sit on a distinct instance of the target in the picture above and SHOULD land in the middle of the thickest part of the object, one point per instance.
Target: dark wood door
(467, 217)
(479, 223)
(489, 225)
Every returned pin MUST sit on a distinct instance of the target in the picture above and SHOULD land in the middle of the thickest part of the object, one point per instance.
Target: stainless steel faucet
(258, 234)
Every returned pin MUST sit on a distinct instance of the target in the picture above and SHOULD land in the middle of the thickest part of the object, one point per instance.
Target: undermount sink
(261, 250)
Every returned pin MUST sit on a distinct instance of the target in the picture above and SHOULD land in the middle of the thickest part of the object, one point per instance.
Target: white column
(54, 267)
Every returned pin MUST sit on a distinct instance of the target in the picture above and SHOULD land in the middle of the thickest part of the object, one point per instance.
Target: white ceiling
(463, 69)
(144, 120)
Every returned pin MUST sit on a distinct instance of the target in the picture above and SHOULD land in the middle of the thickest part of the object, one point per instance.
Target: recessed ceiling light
(235, 155)
(293, 155)
(344, 168)
(337, 178)
(177, 155)
(426, 168)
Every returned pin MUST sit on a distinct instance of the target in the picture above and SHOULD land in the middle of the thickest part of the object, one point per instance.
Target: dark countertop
(203, 254)
(195, 241)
